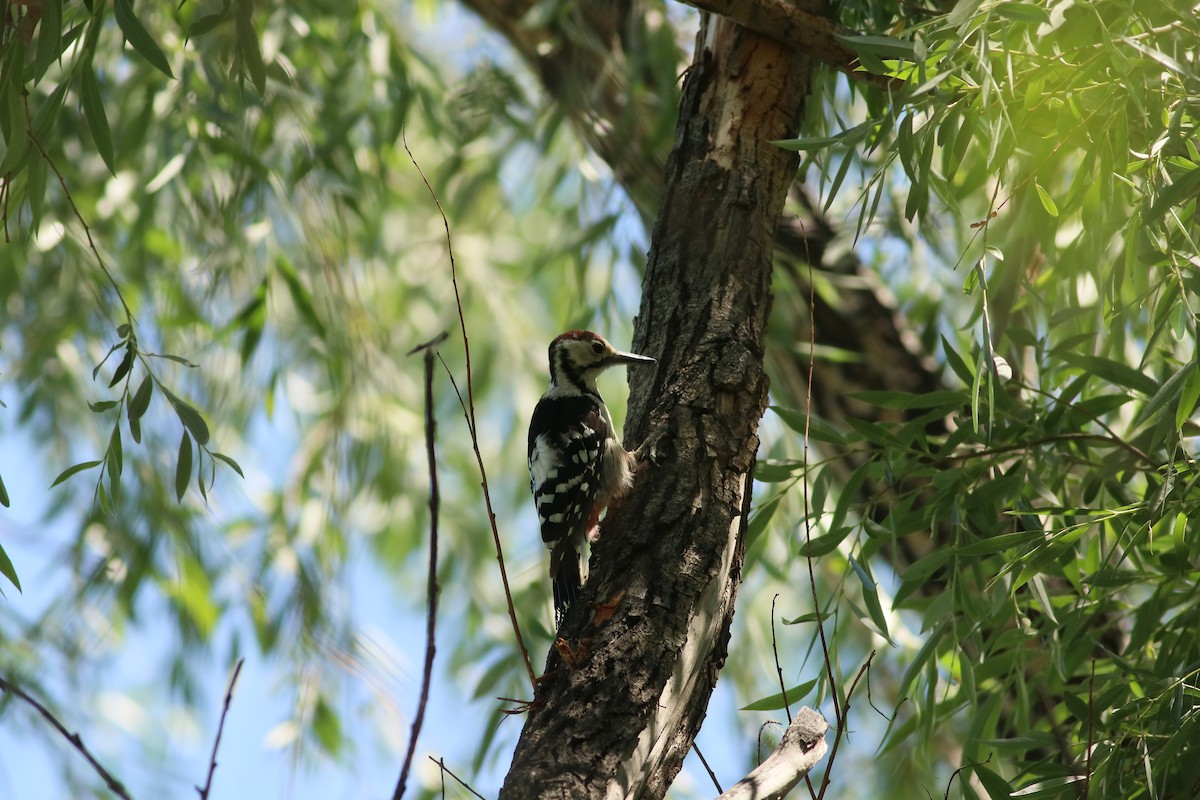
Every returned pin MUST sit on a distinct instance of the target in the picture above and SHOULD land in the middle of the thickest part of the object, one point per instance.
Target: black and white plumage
(577, 464)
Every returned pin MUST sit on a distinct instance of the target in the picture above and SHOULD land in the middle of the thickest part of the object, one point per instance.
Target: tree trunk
(625, 695)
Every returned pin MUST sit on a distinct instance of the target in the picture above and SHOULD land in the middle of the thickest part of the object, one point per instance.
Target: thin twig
(432, 586)
(441, 762)
(758, 756)
(1072, 436)
(469, 412)
(841, 729)
(812, 576)
(114, 785)
(953, 775)
(711, 774)
(212, 762)
(778, 669)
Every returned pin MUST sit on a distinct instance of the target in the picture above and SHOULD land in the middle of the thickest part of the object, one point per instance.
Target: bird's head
(578, 357)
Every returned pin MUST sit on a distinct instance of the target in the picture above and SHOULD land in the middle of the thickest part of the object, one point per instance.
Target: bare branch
(469, 412)
(432, 586)
(778, 669)
(114, 785)
(212, 762)
(802, 746)
(843, 714)
(792, 24)
(812, 575)
(441, 762)
(704, 761)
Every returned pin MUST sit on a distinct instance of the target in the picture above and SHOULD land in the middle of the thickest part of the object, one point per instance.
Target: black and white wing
(566, 450)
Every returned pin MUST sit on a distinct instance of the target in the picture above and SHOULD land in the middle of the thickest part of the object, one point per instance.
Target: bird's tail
(568, 583)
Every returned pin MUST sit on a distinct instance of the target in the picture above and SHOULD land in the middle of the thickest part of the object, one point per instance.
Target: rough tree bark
(619, 711)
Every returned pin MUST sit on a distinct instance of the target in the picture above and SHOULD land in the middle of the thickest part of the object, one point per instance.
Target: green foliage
(1045, 536)
(228, 182)
(231, 185)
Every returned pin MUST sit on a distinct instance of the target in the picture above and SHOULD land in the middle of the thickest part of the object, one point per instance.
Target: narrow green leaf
(35, 183)
(819, 492)
(111, 350)
(811, 616)
(47, 114)
(1047, 200)
(7, 569)
(838, 178)
(123, 368)
(906, 400)
(1051, 787)
(141, 399)
(823, 545)
(233, 464)
(101, 406)
(927, 651)
(1171, 389)
(808, 143)
(135, 429)
(176, 359)
(300, 296)
(777, 700)
(1114, 372)
(994, 544)
(204, 24)
(141, 40)
(3, 493)
(1176, 194)
(93, 114)
(904, 145)
(116, 456)
(1183, 736)
(49, 46)
(183, 467)
(878, 45)
(870, 591)
(249, 48)
(997, 788)
(200, 475)
(69, 471)
(189, 416)
(957, 363)
(1188, 396)
(777, 471)
(12, 125)
(760, 519)
(1022, 12)
(923, 568)
(327, 725)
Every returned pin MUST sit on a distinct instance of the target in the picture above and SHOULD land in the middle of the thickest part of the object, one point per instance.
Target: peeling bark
(619, 724)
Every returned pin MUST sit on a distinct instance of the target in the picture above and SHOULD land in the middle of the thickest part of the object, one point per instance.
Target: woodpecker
(577, 465)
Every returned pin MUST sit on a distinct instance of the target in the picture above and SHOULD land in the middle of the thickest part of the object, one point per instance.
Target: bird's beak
(631, 358)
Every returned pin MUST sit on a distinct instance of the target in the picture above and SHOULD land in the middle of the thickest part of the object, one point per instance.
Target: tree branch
(114, 785)
(432, 584)
(802, 746)
(212, 762)
(803, 28)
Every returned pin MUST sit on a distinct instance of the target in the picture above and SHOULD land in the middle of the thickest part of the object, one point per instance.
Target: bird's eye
(597, 348)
